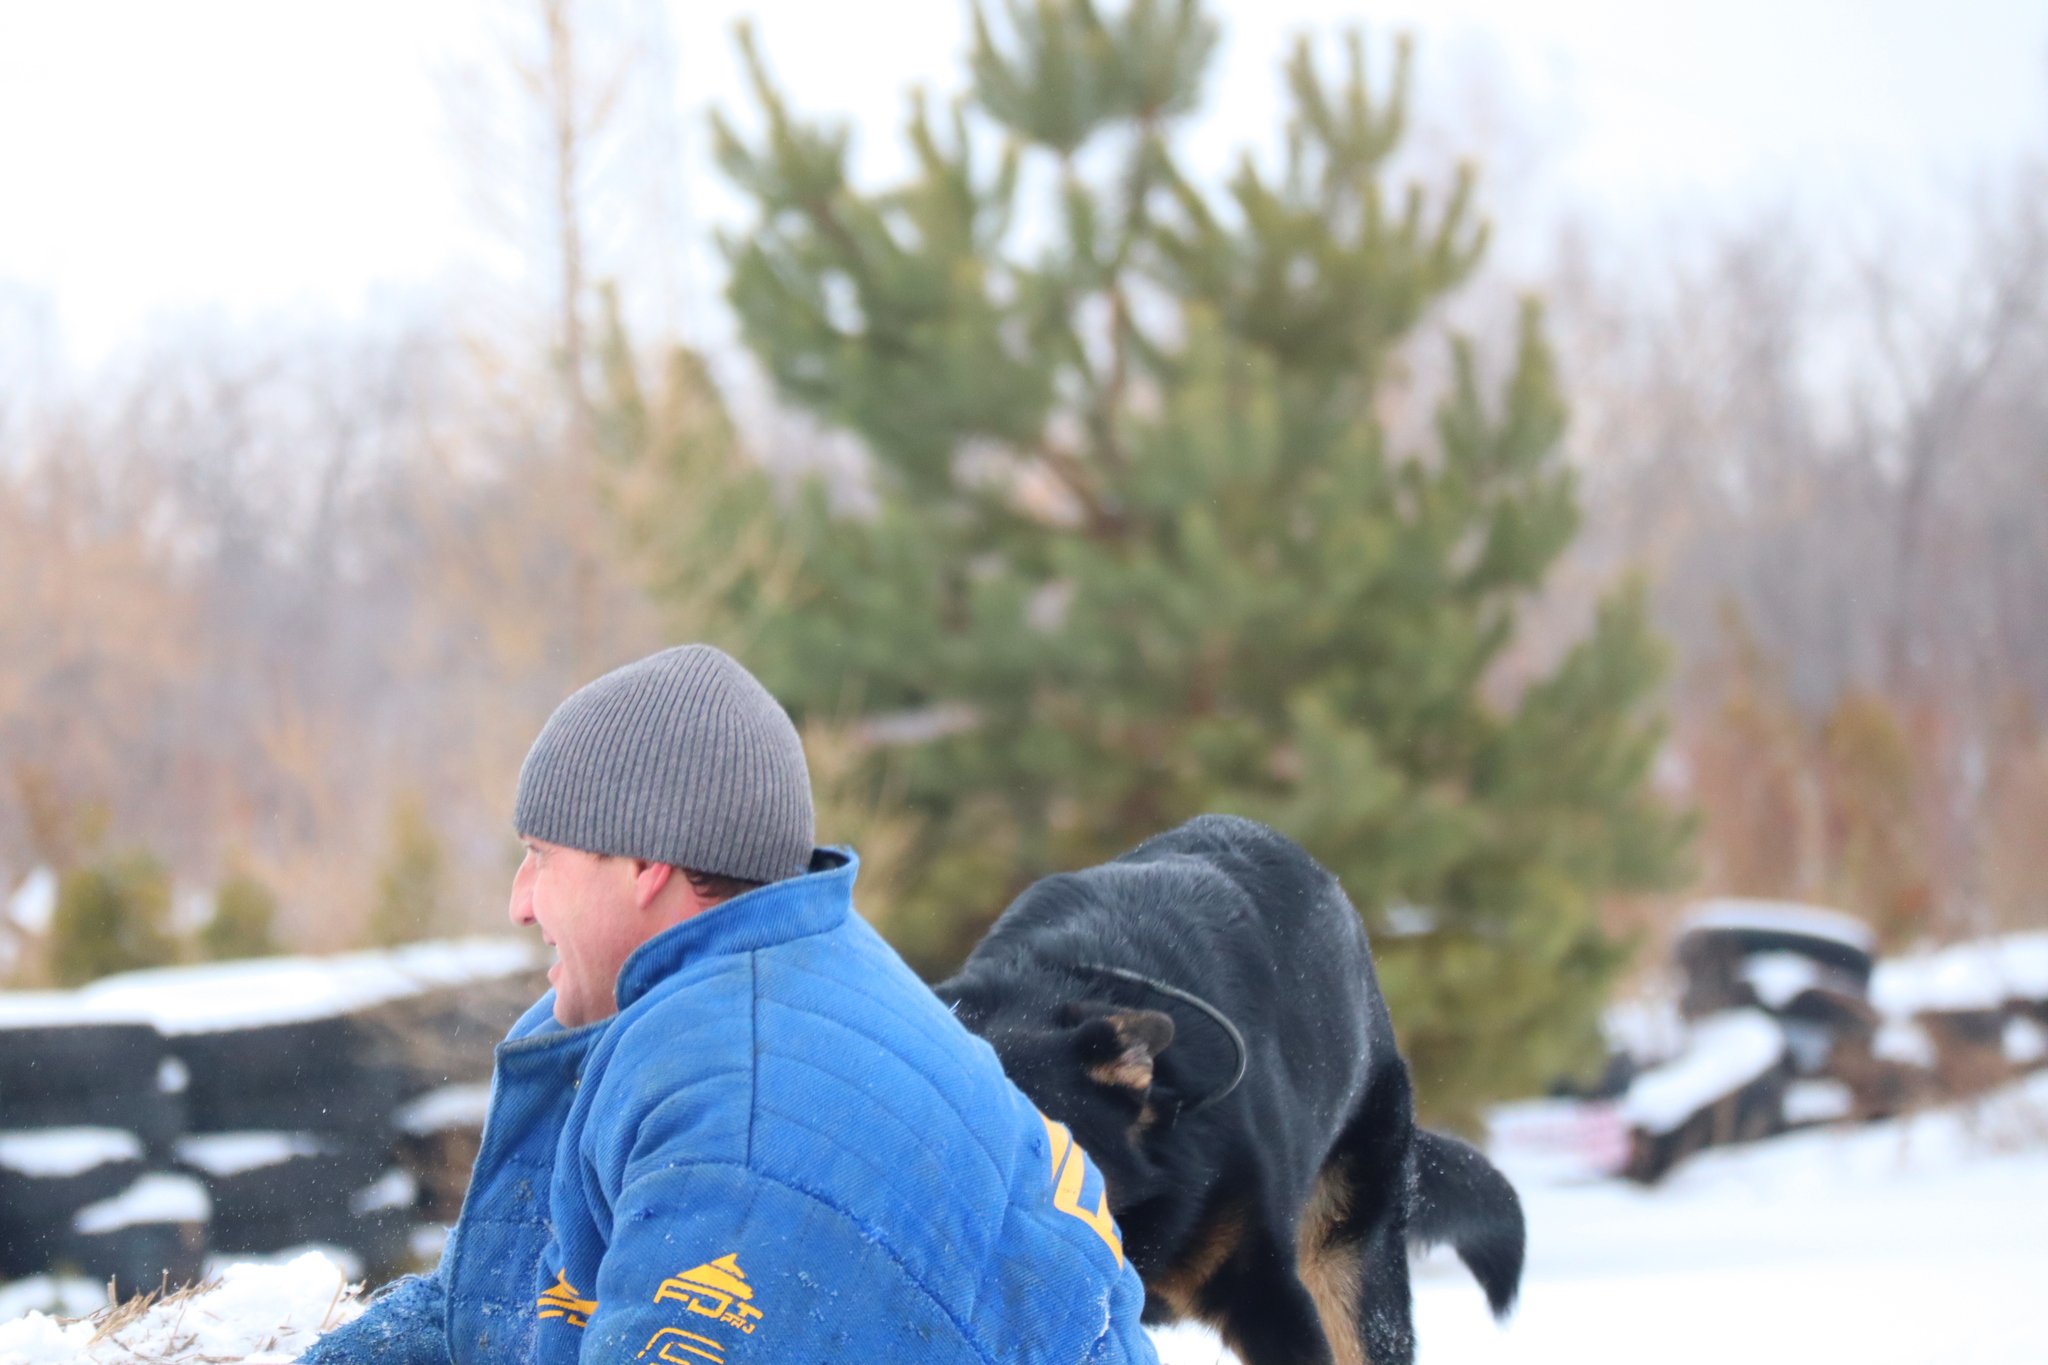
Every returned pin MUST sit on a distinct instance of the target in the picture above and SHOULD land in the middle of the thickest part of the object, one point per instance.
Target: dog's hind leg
(1354, 1245)
(1263, 1308)
(1358, 1276)
(1386, 1306)
(1331, 1265)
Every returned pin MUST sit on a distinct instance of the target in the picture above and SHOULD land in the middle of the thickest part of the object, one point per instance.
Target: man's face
(587, 911)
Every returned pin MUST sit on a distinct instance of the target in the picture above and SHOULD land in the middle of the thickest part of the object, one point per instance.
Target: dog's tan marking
(1132, 1070)
(1330, 1269)
(1182, 1284)
(1144, 1035)
(1146, 1118)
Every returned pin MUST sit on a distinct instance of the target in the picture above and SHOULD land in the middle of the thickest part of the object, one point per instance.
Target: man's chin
(566, 1010)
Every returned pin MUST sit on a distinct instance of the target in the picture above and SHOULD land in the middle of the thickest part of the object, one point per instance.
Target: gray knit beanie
(682, 758)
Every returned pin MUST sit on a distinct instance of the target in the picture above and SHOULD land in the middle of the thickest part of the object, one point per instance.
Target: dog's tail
(1461, 1199)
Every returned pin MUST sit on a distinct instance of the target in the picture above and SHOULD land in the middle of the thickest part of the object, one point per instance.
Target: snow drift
(251, 1313)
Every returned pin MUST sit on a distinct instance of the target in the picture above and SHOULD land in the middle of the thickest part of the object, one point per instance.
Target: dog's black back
(1277, 1211)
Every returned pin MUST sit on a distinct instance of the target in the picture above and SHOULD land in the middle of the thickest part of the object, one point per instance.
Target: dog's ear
(1119, 1049)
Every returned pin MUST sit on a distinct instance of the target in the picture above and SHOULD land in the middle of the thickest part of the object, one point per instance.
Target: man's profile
(738, 1129)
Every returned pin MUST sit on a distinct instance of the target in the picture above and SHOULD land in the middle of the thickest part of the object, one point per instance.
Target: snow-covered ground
(1917, 1242)
(253, 1313)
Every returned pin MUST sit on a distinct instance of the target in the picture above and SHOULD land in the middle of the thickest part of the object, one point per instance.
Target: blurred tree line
(1828, 454)
(1171, 496)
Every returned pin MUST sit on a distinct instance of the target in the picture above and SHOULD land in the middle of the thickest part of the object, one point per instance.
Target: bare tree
(1943, 350)
(562, 131)
(1847, 463)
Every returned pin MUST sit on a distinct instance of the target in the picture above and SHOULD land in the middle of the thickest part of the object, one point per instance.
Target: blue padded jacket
(781, 1149)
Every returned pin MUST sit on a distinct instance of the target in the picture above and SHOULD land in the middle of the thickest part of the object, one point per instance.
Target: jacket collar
(812, 903)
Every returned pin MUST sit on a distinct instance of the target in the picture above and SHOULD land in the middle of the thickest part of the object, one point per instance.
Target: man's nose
(521, 908)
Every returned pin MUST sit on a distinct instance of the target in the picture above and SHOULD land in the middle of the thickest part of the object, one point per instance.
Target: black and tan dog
(1203, 1014)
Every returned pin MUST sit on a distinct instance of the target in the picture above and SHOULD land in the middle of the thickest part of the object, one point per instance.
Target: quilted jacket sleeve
(407, 1325)
(713, 1263)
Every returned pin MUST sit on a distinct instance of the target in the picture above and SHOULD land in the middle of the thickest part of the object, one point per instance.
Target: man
(739, 1129)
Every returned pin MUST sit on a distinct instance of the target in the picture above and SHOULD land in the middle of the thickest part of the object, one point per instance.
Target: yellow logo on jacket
(563, 1300)
(717, 1289)
(678, 1346)
(1069, 1169)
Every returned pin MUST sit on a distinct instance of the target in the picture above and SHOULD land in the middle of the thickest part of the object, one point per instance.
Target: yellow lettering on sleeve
(1070, 1168)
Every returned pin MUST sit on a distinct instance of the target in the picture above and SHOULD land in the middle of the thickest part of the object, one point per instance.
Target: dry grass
(152, 1341)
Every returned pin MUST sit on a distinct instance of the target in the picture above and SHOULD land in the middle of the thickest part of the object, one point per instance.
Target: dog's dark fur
(1282, 1214)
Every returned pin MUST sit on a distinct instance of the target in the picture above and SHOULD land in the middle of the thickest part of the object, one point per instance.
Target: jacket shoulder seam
(753, 1050)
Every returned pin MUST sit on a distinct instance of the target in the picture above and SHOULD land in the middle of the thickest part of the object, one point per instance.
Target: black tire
(317, 1200)
(315, 1076)
(143, 1256)
(291, 1202)
(87, 1075)
(36, 1211)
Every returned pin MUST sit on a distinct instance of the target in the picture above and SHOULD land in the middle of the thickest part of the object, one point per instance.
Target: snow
(395, 1189)
(270, 990)
(1782, 917)
(54, 1153)
(254, 1313)
(1778, 978)
(288, 990)
(1649, 1029)
(427, 1241)
(191, 908)
(1726, 1052)
(1408, 921)
(2024, 1042)
(1818, 1100)
(72, 1296)
(34, 901)
(1899, 1243)
(220, 1154)
(1562, 1140)
(59, 1009)
(451, 1106)
(346, 1263)
(153, 1198)
(1980, 975)
(1896, 1243)
(1903, 1041)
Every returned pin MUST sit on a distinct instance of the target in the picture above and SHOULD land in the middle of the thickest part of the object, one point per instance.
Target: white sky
(247, 158)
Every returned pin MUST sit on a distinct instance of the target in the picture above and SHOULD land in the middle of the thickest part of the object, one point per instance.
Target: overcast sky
(247, 158)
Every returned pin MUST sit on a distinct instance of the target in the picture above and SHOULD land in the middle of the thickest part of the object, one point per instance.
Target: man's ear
(1119, 1049)
(649, 880)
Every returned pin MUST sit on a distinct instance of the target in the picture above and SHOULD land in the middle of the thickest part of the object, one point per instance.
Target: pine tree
(699, 524)
(112, 915)
(243, 923)
(696, 517)
(409, 885)
(1137, 518)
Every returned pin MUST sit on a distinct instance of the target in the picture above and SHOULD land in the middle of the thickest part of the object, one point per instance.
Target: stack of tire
(89, 1116)
(1779, 1034)
(289, 1128)
(149, 1122)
